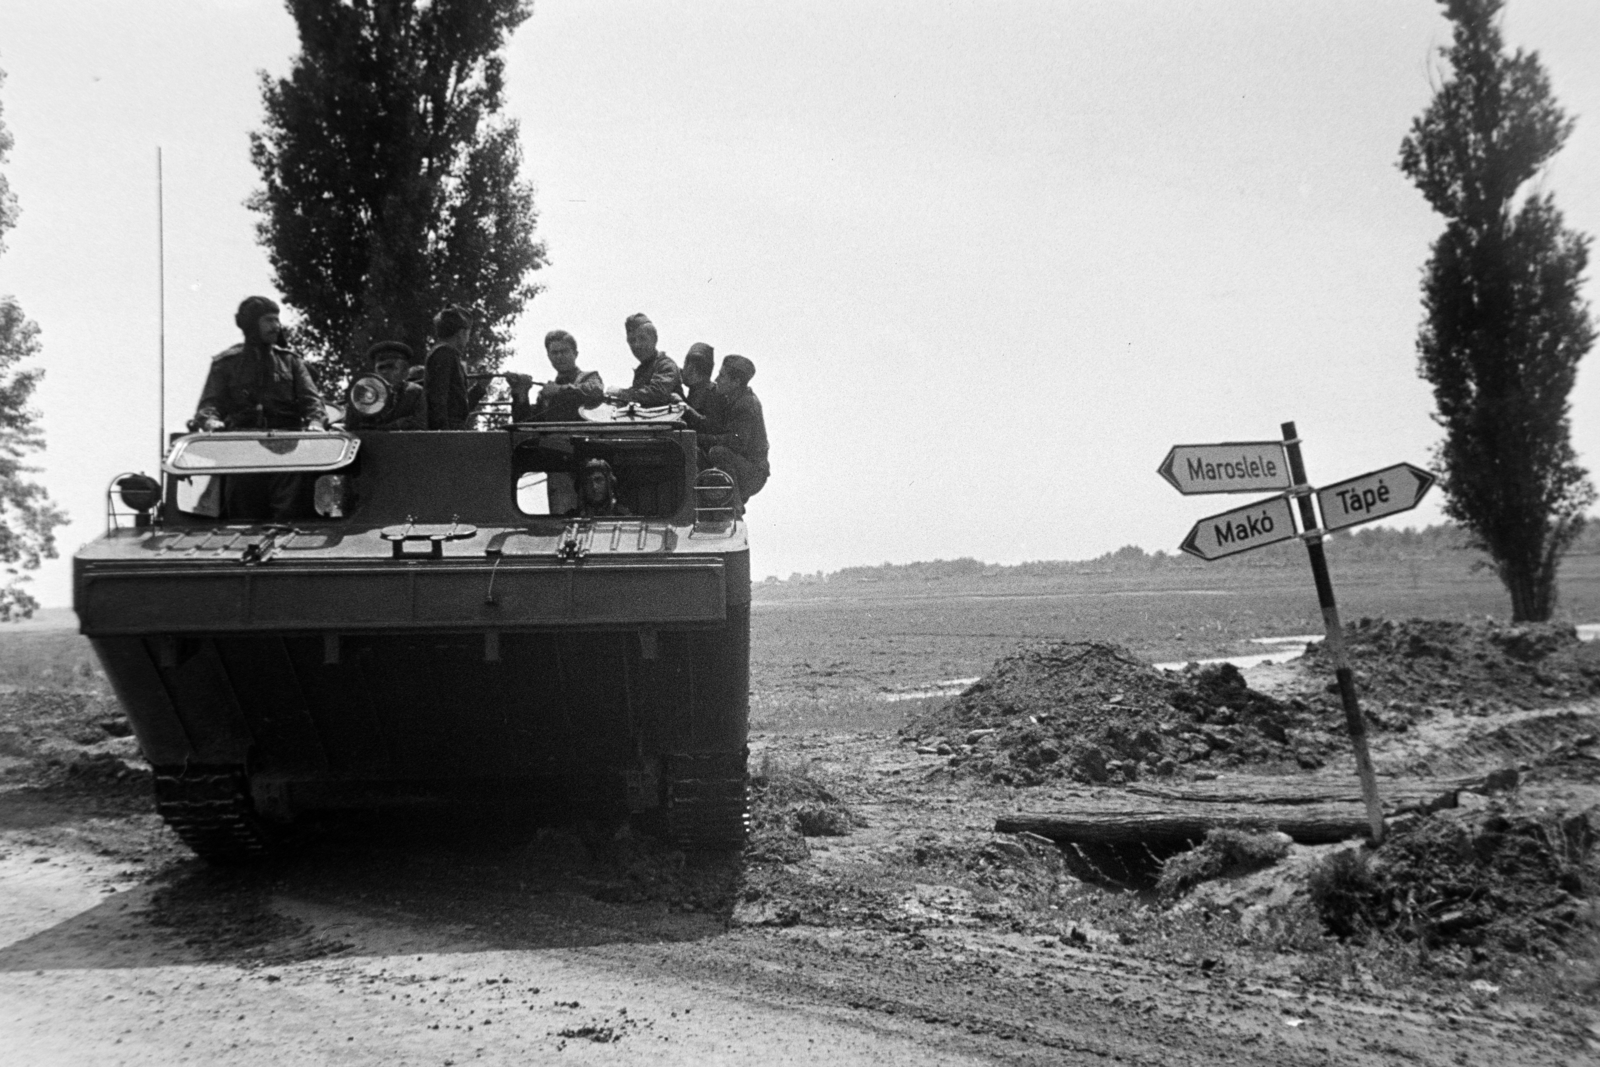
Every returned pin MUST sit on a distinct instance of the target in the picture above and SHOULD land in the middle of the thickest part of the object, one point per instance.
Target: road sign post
(1354, 722)
(1251, 466)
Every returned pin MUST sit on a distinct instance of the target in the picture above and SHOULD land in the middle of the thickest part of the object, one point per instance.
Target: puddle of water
(947, 688)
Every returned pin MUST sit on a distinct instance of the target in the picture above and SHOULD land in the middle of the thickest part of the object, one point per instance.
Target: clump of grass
(1224, 851)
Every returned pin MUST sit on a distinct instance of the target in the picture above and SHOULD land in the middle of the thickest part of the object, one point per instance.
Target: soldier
(597, 492)
(259, 385)
(655, 380)
(702, 401)
(392, 361)
(449, 402)
(741, 447)
(560, 399)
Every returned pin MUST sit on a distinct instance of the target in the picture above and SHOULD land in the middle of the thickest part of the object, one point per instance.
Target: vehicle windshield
(243, 453)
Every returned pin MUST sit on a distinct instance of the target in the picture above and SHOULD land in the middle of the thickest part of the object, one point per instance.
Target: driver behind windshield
(597, 492)
(260, 385)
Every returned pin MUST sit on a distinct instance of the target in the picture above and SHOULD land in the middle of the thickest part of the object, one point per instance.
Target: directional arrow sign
(1231, 467)
(1372, 496)
(1266, 522)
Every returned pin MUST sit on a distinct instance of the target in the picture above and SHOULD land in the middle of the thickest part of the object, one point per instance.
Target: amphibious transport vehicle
(431, 630)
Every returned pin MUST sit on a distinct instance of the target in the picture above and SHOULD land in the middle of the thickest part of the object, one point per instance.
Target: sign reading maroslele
(1231, 467)
(1251, 466)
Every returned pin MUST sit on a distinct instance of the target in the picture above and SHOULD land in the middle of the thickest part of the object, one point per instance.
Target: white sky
(990, 259)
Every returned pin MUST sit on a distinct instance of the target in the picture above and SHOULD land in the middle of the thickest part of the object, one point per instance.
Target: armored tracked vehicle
(431, 630)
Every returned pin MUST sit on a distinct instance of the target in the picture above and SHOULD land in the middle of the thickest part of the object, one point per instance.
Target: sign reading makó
(1230, 467)
(1266, 522)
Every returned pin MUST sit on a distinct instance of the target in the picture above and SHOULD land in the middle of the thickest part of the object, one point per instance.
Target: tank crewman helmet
(588, 468)
(250, 312)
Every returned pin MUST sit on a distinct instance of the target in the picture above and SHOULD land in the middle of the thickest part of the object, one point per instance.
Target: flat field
(824, 653)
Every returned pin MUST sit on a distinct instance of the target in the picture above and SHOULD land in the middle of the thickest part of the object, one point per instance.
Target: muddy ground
(875, 917)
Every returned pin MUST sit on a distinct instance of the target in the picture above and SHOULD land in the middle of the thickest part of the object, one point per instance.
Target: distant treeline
(1374, 544)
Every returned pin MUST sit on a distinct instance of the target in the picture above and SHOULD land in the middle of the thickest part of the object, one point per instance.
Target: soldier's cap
(700, 354)
(740, 367)
(636, 321)
(251, 310)
(388, 350)
(452, 320)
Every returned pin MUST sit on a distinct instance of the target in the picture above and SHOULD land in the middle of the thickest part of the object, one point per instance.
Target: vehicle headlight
(331, 496)
(139, 492)
(370, 394)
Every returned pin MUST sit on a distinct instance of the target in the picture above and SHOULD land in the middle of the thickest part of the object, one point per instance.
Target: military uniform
(256, 386)
(656, 381)
(579, 389)
(741, 449)
(448, 403)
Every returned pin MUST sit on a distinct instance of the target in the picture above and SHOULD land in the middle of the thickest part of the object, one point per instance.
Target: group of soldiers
(259, 384)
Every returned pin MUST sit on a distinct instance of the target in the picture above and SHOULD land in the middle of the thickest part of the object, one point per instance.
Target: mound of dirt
(38, 726)
(1495, 879)
(787, 806)
(1405, 670)
(1090, 711)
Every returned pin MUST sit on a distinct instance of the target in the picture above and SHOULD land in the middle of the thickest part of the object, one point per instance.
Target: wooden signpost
(1256, 465)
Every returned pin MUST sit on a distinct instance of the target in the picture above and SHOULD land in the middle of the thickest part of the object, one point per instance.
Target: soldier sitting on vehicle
(741, 447)
(392, 361)
(656, 380)
(597, 492)
(559, 400)
(703, 406)
(259, 385)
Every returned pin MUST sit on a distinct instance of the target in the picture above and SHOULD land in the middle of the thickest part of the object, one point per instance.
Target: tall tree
(28, 517)
(1505, 323)
(390, 185)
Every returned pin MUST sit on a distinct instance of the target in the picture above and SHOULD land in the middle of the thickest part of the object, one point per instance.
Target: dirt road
(119, 949)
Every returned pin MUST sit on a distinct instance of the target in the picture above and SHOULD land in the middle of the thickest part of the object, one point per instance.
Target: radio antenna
(161, 315)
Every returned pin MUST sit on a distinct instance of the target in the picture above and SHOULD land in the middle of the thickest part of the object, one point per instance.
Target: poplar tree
(28, 517)
(1504, 321)
(391, 185)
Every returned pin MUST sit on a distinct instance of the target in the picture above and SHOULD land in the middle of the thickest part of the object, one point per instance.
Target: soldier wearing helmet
(259, 385)
(597, 492)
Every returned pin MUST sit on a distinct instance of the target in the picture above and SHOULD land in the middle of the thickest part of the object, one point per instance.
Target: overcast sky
(990, 259)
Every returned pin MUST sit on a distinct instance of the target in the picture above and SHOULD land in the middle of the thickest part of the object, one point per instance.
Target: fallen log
(1309, 824)
(1398, 795)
